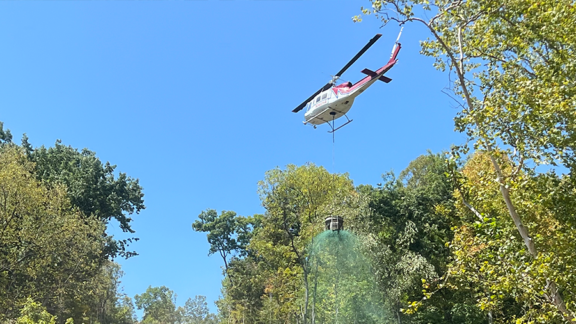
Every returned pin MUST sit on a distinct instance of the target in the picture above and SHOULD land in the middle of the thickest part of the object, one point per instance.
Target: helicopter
(332, 102)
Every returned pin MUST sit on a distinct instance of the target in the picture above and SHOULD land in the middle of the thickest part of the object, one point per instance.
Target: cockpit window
(324, 96)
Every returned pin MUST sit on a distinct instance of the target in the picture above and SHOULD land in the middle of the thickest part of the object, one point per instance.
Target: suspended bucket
(334, 223)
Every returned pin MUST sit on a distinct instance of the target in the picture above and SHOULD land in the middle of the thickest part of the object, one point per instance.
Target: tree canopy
(92, 186)
(513, 63)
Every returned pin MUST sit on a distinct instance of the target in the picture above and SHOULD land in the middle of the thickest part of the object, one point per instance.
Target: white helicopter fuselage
(328, 106)
(335, 102)
(325, 106)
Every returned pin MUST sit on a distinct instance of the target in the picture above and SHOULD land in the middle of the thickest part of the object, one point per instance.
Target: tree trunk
(314, 294)
(555, 296)
(305, 315)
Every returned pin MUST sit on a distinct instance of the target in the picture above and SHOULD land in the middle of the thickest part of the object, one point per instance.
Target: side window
(324, 96)
(318, 98)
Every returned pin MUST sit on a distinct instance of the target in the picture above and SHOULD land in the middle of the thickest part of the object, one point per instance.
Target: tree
(487, 249)
(297, 200)
(34, 313)
(103, 300)
(5, 135)
(196, 311)
(158, 304)
(514, 64)
(92, 187)
(227, 233)
(243, 299)
(267, 256)
(407, 229)
(48, 248)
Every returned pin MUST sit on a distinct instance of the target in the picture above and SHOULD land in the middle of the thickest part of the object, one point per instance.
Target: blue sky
(194, 98)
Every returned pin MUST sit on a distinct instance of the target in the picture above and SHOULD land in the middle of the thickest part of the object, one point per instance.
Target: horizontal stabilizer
(374, 74)
(385, 79)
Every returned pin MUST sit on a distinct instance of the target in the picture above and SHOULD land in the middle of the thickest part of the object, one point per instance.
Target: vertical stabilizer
(396, 44)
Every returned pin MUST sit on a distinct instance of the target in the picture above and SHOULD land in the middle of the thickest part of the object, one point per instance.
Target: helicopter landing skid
(337, 128)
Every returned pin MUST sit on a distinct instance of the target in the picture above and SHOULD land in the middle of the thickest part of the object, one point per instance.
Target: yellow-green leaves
(34, 313)
(489, 256)
(48, 248)
(514, 64)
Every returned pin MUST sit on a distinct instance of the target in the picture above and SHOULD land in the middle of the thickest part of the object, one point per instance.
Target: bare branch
(472, 209)
(451, 97)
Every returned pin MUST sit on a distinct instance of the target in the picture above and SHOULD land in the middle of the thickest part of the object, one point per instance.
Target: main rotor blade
(364, 49)
(329, 84)
(302, 105)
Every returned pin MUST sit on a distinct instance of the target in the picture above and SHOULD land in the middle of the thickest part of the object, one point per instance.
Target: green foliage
(158, 304)
(407, 229)
(245, 288)
(514, 64)
(196, 312)
(267, 280)
(47, 247)
(5, 135)
(294, 275)
(92, 187)
(102, 300)
(50, 249)
(227, 233)
(221, 231)
(196, 309)
(489, 250)
(34, 313)
(343, 285)
(297, 200)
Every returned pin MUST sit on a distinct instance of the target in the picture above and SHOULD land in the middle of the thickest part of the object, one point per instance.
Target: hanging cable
(333, 146)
